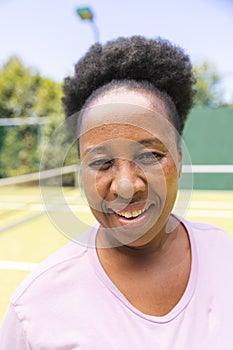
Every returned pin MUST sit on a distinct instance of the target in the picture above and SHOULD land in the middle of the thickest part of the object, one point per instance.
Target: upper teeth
(132, 214)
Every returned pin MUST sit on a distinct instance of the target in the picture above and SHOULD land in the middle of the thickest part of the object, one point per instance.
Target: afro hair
(155, 61)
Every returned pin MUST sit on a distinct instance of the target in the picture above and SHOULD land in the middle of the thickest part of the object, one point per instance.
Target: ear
(180, 156)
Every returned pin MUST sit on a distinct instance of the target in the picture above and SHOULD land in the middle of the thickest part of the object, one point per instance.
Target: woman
(146, 279)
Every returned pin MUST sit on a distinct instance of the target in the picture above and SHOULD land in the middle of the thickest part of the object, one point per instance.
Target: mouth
(130, 215)
(134, 221)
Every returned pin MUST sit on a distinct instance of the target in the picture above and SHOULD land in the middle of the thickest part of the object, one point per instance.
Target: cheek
(164, 180)
(94, 187)
(89, 186)
(171, 174)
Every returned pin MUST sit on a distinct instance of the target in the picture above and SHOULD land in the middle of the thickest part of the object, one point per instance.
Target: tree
(208, 85)
(18, 89)
(19, 154)
(25, 93)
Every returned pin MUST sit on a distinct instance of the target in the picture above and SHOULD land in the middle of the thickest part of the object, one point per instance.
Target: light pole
(86, 14)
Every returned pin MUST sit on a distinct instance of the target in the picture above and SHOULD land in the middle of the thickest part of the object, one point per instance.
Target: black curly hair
(151, 64)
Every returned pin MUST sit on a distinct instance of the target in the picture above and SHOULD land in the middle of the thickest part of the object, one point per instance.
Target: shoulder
(52, 272)
(213, 245)
(204, 231)
(55, 297)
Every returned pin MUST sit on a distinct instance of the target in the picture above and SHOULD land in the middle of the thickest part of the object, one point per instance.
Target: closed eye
(149, 158)
(101, 164)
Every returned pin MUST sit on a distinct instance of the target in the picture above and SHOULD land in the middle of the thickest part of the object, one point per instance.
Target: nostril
(125, 189)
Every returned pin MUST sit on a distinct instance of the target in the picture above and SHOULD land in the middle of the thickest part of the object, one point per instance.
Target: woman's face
(130, 164)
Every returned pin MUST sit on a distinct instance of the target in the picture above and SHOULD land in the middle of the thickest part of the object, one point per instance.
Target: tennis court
(27, 235)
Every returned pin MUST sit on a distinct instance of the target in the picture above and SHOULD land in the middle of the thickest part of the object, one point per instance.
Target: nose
(124, 188)
(127, 180)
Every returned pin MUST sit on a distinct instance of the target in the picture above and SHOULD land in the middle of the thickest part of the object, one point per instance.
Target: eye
(149, 158)
(101, 164)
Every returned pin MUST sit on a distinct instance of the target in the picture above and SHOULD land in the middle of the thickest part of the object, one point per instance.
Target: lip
(128, 207)
(137, 221)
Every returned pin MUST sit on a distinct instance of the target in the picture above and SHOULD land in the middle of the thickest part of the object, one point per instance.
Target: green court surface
(27, 235)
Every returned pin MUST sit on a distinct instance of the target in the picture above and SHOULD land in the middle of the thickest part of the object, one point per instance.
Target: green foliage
(56, 136)
(20, 153)
(18, 89)
(208, 85)
(25, 93)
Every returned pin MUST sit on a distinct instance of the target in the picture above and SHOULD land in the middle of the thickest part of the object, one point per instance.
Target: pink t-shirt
(69, 303)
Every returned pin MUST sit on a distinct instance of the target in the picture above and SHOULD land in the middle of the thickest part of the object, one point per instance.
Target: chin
(125, 236)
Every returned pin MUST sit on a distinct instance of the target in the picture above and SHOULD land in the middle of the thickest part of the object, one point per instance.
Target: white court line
(13, 206)
(41, 207)
(17, 265)
(194, 205)
(206, 169)
(219, 209)
(211, 205)
(210, 213)
(20, 198)
(219, 205)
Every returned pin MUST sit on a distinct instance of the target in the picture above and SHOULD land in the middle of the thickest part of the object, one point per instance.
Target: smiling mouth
(133, 214)
(130, 214)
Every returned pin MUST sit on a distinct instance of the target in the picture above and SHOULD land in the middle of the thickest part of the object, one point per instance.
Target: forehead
(126, 114)
(123, 105)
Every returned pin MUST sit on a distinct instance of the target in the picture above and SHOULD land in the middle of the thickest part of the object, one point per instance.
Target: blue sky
(48, 35)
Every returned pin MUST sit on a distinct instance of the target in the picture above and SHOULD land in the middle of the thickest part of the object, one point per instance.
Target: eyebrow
(151, 141)
(144, 142)
(97, 149)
